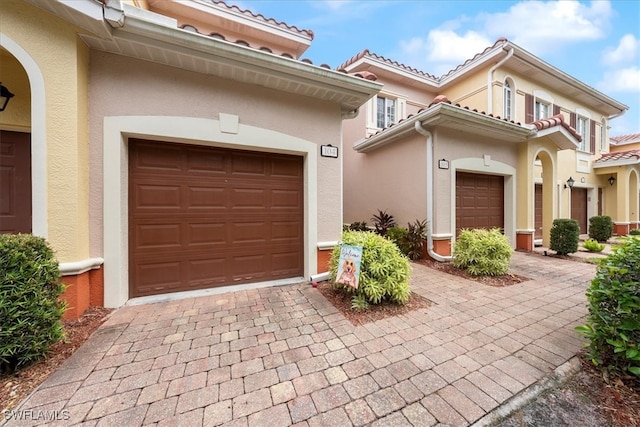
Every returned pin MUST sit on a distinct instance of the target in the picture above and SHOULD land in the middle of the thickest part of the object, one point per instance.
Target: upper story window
(582, 127)
(385, 112)
(542, 110)
(603, 136)
(508, 99)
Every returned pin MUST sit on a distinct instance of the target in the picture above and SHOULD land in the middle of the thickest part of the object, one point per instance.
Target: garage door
(479, 201)
(15, 182)
(202, 217)
(579, 207)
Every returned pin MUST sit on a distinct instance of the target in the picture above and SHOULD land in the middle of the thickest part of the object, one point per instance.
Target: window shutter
(556, 109)
(528, 108)
(592, 136)
(573, 121)
(401, 109)
(371, 112)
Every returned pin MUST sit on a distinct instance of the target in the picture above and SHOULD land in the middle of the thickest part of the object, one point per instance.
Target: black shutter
(592, 136)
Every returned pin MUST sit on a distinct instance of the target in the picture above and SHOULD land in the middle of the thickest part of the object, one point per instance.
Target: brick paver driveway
(284, 355)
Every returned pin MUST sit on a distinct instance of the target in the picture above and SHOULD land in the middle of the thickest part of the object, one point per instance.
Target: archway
(543, 202)
(633, 198)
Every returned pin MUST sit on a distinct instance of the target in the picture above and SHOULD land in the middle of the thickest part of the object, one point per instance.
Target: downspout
(422, 131)
(490, 81)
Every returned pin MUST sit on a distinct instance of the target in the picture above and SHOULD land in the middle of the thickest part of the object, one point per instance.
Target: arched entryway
(633, 198)
(543, 195)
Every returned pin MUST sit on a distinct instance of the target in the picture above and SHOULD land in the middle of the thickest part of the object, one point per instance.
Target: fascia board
(383, 65)
(624, 162)
(199, 46)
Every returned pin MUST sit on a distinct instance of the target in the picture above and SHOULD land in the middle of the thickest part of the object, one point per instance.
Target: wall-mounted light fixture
(5, 96)
(569, 183)
(611, 180)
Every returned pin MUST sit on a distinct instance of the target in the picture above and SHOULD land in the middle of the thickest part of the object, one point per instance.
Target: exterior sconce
(569, 183)
(5, 96)
(611, 180)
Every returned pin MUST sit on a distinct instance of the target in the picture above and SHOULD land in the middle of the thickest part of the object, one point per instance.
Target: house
(166, 147)
(503, 140)
(622, 166)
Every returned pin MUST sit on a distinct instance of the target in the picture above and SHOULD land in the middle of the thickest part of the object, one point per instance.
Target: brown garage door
(203, 217)
(579, 207)
(15, 182)
(479, 201)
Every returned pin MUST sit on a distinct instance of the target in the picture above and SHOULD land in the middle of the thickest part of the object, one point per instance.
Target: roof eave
(257, 67)
(448, 116)
(624, 162)
(559, 136)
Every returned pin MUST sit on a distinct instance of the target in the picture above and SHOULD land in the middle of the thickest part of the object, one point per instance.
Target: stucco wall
(52, 45)
(154, 90)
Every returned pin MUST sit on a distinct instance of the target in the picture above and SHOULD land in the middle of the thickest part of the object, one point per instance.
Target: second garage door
(479, 201)
(202, 217)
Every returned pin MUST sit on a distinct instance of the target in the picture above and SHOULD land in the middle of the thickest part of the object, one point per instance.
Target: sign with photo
(349, 265)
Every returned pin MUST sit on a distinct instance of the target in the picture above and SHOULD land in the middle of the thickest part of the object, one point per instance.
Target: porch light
(570, 183)
(611, 180)
(5, 96)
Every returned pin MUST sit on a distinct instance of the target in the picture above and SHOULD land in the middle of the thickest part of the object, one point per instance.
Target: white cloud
(621, 80)
(626, 51)
(541, 27)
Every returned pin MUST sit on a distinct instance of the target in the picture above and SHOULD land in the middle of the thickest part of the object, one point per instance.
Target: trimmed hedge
(565, 235)
(482, 252)
(30, 308)
(600, 228)
(613, 325)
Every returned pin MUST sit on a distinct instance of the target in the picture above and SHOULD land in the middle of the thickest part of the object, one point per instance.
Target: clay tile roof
(624, 139)
(263, 18)
(501, 40)
(621, 155)
(367, 52)
(365, 75)
(557, 120)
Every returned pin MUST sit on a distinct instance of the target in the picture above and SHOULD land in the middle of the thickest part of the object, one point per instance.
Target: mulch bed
(498, 281)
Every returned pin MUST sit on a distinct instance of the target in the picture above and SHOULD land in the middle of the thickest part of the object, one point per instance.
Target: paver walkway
(285, 356)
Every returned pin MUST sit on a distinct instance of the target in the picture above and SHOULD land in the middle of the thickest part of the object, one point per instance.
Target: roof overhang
(559, 136)
(148, 36)
(448, 116)
(620, 162)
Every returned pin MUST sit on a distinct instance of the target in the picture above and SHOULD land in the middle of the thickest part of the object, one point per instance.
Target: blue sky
(596, 42)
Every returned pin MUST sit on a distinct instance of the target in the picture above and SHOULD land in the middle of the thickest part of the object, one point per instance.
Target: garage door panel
(252, 198)
(206, 272)
(248, 165)
(166, 158)
(158, 236)
(205, 161)
(285, 168)
(158, 276)
(285, 199)
(207, 197)
(285, 263)
(156, 196)
(285, 230)
(201, 234)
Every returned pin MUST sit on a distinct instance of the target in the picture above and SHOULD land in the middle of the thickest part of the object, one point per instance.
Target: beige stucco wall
(155, 90)
(53, 46)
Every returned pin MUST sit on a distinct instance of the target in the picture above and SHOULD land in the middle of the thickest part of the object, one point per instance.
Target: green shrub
(356, 226)
(565, 235)
(482, 252)
(613, 324)
(600, 228)
(382, 222)
(30, 309)
(398, 235)
(635, 232)
(384, 271)
(593, 246)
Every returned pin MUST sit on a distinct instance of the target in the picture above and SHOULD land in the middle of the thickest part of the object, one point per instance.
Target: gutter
(422, 131)
(490, 80)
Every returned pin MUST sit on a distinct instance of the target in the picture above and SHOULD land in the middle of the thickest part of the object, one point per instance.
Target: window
(386, 112)
(508, 100)
(542, 110)
(603, 136)
(583, 129)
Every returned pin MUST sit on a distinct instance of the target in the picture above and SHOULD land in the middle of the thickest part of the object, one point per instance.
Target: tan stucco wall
(155, 90)
(17, 115)
(53, 45)
(391, 178)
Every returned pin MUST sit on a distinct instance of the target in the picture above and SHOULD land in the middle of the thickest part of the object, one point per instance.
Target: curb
(559, 376)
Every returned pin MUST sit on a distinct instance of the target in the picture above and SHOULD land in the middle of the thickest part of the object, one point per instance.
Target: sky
(597, 42)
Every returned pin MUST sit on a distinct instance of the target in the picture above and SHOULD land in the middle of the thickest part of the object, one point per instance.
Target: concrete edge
(559, 376)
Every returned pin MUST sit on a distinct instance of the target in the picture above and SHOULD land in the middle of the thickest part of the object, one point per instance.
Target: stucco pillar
(525, 226)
